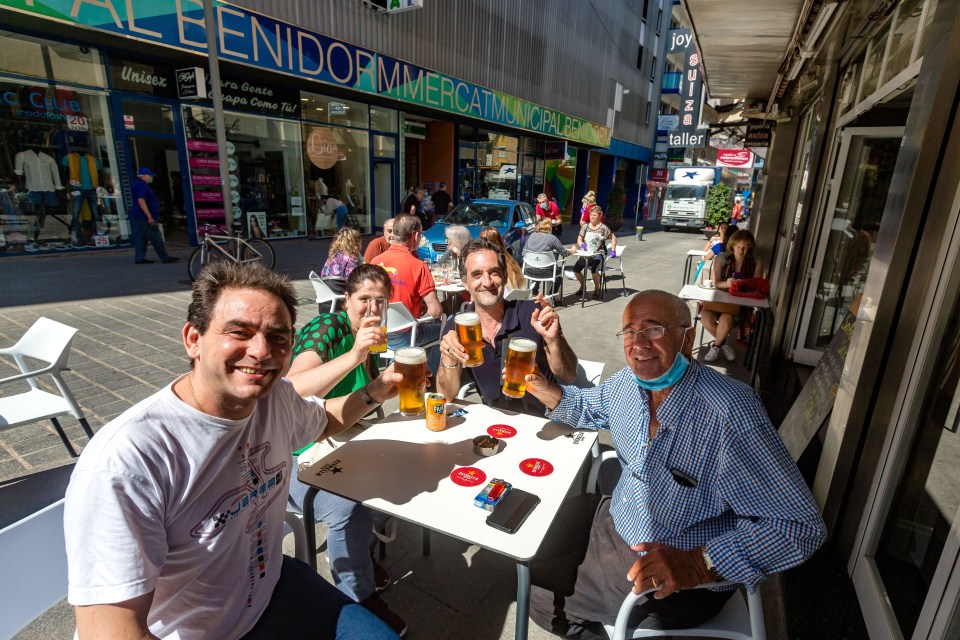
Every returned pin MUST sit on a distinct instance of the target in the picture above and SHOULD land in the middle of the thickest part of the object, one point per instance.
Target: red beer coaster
(536, 467)
(501, 431)
(468, 476)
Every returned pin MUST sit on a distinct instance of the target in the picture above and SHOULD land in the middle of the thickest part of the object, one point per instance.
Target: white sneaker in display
(712, 354)
(728, 353)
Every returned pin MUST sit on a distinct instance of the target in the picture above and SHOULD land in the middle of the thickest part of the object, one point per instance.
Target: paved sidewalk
(129, 344)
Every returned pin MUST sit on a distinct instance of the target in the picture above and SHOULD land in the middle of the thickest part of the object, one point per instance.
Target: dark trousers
(580, 579)
(304, 605)
(143, 232)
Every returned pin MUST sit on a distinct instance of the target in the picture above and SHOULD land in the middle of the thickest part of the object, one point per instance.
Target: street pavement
(129, 320)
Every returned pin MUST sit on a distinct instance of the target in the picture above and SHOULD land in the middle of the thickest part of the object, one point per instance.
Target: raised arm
(433, 304)
(125, 620)
(560, 357)
(311, 376)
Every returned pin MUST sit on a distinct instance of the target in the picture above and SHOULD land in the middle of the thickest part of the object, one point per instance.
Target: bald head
(667, 303)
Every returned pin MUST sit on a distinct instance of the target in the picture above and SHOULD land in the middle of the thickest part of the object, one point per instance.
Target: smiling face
(483, 278)
(370, 293)
(650, 359)
(243, 353)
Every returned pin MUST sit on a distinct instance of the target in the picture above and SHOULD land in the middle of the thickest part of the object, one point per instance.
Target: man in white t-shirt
(174, 513)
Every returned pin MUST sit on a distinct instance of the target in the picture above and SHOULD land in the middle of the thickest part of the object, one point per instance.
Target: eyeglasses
(650, 333)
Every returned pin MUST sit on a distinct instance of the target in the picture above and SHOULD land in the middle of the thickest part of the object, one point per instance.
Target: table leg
(523, 601)
(310, 524)
(426, 541)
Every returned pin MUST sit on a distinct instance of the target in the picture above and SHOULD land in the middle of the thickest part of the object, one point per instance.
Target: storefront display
(498, 166)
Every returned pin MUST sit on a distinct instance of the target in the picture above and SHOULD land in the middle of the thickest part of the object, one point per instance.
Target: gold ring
(654, 581)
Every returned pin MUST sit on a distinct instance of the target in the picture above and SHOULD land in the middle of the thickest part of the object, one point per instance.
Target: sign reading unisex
(253, 39)
(688, 134)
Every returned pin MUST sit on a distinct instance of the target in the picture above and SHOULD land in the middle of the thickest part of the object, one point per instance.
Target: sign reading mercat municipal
(254, 39)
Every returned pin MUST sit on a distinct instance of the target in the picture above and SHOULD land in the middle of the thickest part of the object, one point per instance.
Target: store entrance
(384, 189)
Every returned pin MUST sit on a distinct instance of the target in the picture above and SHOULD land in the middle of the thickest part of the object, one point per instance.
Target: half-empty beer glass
(411, 363)
(378, 307)
(521, 357)
(471, 337)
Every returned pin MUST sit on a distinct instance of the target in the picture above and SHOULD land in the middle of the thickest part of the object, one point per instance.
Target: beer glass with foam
(520, 361)
(471, 337)
(411, 363)
(378, 307)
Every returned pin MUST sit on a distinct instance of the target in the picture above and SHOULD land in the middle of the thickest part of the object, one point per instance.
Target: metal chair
(48, 341)
(324, 293)
(544, 260)
(615, 264)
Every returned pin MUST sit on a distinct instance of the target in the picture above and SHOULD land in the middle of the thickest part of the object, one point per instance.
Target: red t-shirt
(411, 278)
(552, 211)
(375, 248)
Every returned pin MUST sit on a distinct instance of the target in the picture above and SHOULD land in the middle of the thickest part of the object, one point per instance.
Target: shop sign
(688, 132)
(508, 171)
(252, 39)
(337, 108)
(323, 148)
(254, 96)
(143, 77)
(191, 83)
(396, 6)
(758, 136)
(128, 122)
(659, 175)
(415, 130)
(667, 122)
(735, 158)
(41, 103)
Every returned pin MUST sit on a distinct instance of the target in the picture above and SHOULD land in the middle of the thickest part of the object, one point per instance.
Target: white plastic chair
(324, 293)
(739, 619)
(293, 520)
(399, 318)
(33, 565)
(518, 294)
(615, 264)
(588, 374)
(544, 260)
(48, 341)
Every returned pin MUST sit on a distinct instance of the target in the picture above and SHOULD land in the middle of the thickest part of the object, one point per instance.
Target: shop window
(334, 110)
(903, 38)
(58, 157)
(155, 118)
(873, 63)
(26, 56)
(264, 158)
(928, 14)
(336, 165)
(384, 146)
(498, 166)
(383, 119)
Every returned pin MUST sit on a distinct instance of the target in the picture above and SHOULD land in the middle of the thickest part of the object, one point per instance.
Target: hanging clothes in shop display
(84, 175)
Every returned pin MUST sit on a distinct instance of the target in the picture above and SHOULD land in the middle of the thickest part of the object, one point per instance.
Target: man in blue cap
(144, 218)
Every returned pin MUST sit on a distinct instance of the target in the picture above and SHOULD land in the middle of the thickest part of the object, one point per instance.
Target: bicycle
(217, 246)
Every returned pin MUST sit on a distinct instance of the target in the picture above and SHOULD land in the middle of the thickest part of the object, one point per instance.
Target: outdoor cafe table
(701, 294)
(399, 467)
(586, 255)
(692, 255)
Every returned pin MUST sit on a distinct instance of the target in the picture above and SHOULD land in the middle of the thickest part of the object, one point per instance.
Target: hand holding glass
(471, 337)
(520, 362)
(378, 307)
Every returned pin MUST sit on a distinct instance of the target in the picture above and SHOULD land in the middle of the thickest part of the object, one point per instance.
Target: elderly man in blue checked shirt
(707, 491)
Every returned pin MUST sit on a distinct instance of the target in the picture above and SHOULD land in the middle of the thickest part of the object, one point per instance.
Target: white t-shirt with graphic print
(170, 500)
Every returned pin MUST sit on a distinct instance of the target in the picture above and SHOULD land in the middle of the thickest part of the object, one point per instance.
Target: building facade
(496, 99)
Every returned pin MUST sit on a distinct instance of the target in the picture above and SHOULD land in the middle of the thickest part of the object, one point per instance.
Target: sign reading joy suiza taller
(253, 39)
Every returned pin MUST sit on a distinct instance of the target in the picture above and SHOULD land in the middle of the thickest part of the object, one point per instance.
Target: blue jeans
(341, 212)
(427, 332)
(143, 232)
(304, 605)
(90, 195)
(349, 541)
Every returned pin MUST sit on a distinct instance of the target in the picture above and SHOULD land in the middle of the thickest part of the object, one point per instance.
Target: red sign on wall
(735, 158)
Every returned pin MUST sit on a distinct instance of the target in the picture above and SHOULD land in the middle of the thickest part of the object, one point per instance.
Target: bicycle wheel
(196, 262)
(259, 250)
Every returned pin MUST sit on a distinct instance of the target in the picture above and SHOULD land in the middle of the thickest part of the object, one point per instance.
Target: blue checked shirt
(750, 507)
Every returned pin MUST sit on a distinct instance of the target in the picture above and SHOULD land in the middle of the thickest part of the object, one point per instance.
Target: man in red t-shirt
(412, 285)
(379, 245)
(549, 209)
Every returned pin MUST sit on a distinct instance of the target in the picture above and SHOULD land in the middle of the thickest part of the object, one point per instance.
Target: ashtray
(485, 445)
(707, 288)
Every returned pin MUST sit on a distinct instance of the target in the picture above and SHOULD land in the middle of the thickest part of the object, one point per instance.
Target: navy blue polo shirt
(516, 324)
(140, 189)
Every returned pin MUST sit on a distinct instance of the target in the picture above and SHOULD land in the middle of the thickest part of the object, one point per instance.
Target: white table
(701, 294)
(692, 254)
(399, 467)
(580, 253)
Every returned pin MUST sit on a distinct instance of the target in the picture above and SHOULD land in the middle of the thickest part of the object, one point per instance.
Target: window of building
(383, 119)
(640, 57)
(55, 61)
(497, 158)
(646, 114)
(337, 111)
(653, 69)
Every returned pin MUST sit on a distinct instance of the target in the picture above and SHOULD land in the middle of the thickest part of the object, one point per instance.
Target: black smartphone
(511, 512)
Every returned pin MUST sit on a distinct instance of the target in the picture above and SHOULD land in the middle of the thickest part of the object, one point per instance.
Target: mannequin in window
(40, 175)
(320, 188)
(83, 172)
(351, 193)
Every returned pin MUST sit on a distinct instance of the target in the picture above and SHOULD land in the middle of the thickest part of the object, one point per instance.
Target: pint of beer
(411, 363)
(378, 307)
(521, 357)
(471, 337)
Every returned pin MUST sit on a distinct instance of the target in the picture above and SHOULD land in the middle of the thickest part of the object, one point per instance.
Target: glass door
(841, 261)
(383, 191)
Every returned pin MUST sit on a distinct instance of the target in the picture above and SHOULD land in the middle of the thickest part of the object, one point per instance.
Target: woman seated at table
(594, 238)
(457, 236)
(336, 346)
(342, 258)
(715, 244)
(542, 240)
(736, 263)
(514, 272)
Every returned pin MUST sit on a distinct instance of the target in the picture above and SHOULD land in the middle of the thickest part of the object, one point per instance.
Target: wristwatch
(711, 567)
(366, 397)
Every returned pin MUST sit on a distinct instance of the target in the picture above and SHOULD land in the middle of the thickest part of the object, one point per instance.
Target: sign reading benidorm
(254, 39)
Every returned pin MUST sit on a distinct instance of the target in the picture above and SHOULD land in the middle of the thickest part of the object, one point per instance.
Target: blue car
(509, 217)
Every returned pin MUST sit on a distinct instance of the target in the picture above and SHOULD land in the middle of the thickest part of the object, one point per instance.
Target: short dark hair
(219, 276)
(364, 272)
(481, 244)
(404, 227)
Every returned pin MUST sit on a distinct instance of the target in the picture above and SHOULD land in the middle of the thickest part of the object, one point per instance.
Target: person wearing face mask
(707, 490)
(548, 209)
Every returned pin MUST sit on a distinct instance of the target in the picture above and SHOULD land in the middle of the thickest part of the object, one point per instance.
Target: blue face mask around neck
(668, 379)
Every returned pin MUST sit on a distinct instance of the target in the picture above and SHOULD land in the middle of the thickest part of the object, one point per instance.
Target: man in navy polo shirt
(483, 269)
(144, 217)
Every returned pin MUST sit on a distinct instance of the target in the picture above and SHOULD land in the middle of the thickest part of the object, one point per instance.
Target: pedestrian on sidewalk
(144, 218)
